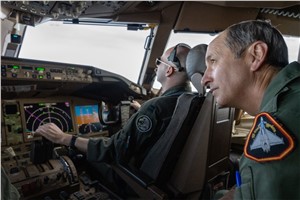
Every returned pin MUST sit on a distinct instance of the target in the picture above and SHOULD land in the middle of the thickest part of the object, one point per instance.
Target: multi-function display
(37, 114)
(87, 118)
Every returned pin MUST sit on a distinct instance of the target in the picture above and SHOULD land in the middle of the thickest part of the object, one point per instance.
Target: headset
(173, 56)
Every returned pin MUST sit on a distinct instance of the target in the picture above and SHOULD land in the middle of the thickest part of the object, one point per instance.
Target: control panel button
(3, 68)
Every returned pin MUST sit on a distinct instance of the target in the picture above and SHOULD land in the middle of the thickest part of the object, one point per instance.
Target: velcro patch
(267, 140)
(143, 123)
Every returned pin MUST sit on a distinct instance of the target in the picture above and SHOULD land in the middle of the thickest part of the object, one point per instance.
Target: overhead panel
(216, 16)
(202, 17)
(286, 20)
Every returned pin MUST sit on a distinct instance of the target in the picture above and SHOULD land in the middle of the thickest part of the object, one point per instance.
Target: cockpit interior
(90, 102)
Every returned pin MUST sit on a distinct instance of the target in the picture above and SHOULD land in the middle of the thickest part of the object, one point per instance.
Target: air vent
(292, 12)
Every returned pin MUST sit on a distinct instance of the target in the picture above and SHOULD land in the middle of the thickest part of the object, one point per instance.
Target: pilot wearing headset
(132, 143)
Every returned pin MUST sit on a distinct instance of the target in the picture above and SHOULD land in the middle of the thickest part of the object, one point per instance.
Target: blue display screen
(87, 119)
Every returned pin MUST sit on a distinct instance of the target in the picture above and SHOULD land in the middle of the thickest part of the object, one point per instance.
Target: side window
(194, 39)
(191, 39)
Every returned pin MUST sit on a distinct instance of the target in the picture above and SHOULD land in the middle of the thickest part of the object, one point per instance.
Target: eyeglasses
(158, 61)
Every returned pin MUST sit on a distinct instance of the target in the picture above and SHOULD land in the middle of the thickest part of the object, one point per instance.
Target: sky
(110, 48)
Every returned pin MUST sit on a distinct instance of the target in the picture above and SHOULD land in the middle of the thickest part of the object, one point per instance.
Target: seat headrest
(195, 66)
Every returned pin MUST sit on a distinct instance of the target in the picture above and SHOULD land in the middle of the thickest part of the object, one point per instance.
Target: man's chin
(221, 104)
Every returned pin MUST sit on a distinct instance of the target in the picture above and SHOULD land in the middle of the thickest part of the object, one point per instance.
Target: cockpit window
(194, 39)
(191, 39)
(111, 48)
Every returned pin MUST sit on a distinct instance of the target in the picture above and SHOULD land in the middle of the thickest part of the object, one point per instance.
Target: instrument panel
(74, 97)
(24, 78)
(35, 92)
(36, 173)
(41, 71)
(23, 116)
(50, 170)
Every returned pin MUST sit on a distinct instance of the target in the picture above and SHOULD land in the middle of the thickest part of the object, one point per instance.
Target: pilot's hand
(53, 133)
(136, 105)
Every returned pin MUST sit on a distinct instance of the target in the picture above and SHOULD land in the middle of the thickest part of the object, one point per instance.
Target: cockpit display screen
(87, 118)
(37, 114)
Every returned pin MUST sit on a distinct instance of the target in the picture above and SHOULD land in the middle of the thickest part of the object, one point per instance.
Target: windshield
(111, 48)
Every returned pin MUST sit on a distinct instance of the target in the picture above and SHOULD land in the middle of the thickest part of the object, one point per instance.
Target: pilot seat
(191, 159)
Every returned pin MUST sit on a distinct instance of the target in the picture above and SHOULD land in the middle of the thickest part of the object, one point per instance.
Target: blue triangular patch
(267, 140)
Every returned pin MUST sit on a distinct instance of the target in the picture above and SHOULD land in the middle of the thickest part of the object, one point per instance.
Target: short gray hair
(242, 35)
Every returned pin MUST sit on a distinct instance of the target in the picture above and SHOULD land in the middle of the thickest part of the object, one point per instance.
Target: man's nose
(205, 79)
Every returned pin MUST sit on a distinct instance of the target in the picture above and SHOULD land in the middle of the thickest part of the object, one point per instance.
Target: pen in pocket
(238, 179)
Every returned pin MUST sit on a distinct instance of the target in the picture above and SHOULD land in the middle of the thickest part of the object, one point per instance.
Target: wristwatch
(72, 142)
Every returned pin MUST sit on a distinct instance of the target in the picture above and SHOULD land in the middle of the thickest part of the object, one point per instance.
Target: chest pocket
(246, 190)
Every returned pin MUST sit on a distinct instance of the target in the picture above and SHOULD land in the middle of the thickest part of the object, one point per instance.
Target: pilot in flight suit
(278, 160)
(132, 143)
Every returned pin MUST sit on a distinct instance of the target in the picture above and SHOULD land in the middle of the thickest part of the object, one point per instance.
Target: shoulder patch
(267, 140)
(143, 123)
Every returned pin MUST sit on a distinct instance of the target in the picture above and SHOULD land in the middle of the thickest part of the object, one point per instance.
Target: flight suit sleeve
(264, 179)
(8, 190)
(124, 144)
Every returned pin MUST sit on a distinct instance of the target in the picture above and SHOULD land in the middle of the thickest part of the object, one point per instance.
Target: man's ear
(258, 52)
(170, 71)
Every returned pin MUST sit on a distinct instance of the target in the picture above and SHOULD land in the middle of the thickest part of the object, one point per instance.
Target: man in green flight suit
(247, 68)
(132, 143)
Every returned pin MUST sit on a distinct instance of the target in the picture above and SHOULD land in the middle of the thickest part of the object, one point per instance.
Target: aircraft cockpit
(84, 78)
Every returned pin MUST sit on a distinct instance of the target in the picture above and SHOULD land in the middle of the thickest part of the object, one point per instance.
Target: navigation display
(87, 118)
(37, 114)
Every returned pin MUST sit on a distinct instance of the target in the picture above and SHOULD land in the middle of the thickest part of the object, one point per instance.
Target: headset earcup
(172, 55)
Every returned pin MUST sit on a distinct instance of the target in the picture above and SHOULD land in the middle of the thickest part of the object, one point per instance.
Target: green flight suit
(8, 190)
(132, 143)
(277, 179)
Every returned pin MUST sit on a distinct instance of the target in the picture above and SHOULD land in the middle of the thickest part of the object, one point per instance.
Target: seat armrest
(140, 177)
(142, 184)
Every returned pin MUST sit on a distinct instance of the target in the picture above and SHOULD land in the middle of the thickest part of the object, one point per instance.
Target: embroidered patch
(143, 123)
(267, 140)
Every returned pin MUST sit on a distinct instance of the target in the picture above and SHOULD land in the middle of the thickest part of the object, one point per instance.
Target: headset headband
(173, 56)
